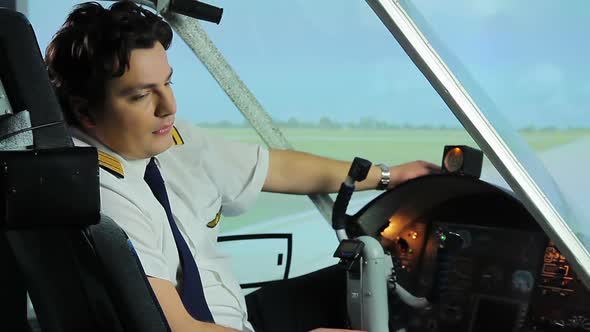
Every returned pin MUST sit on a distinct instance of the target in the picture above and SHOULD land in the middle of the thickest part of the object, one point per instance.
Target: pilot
(165, 182)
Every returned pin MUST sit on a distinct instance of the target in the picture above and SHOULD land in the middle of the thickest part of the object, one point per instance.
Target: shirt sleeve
(242, 181)
(142, 235)
(238, 169)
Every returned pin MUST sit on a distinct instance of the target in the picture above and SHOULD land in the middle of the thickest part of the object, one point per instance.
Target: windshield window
(524, 64)
(338, 84)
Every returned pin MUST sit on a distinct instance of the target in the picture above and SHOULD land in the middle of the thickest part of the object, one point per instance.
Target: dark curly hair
(94, 45)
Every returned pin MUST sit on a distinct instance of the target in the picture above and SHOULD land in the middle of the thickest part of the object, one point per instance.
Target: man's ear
(81, 110)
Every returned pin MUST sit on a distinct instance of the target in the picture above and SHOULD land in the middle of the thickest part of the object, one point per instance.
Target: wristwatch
(385, 177)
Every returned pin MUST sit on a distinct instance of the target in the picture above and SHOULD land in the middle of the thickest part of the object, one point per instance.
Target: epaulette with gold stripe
(110, 164)
(176, 137)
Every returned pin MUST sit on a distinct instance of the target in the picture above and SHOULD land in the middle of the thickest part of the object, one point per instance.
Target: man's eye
(138, 97)
(169, 83)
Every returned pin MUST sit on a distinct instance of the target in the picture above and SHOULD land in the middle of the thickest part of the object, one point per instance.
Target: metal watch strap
(385, 177)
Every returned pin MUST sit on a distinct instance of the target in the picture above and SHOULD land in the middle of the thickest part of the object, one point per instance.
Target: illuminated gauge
(522, 281)
(463, 160)
(453, 160)
(466, 236)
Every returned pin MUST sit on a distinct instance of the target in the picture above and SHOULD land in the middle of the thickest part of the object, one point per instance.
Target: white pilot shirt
(203, 176)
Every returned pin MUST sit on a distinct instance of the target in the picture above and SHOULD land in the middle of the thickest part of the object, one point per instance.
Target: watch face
(385, 177)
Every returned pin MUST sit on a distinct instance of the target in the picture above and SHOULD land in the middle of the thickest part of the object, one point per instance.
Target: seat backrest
(86, 280)
(13, 316)
(78, 267)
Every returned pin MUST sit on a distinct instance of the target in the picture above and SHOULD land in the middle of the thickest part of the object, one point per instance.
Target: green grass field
(390, 146)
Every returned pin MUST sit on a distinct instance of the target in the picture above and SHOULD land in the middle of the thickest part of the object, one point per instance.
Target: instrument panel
(477, 255)
(481, 280)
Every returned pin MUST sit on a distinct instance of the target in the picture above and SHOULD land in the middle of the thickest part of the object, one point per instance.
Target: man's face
(139, 107)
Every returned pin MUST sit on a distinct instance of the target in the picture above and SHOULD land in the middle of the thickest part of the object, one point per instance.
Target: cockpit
(497, 242)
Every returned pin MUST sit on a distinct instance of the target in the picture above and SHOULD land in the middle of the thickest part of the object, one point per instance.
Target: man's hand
(408, 171)
(176, 315)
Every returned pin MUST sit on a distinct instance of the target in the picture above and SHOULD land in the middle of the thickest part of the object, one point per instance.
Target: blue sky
(308, 59)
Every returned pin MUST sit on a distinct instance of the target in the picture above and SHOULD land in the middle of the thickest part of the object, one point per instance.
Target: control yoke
(370, 273)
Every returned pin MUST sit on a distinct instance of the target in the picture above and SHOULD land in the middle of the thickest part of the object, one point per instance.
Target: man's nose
(166, 104)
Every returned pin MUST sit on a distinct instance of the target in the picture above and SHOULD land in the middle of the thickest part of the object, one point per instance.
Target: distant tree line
(367, 122)
(327, 123)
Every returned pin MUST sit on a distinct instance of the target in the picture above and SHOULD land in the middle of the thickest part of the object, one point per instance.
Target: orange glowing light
(396, 223)
(453, 160)
(390, 232)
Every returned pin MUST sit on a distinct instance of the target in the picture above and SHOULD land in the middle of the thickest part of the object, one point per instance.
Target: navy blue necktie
(192, 289)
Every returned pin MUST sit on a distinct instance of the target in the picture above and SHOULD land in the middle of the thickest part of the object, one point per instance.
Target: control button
(492, 278)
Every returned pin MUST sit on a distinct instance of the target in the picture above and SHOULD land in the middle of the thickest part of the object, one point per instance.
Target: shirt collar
(133, 167)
